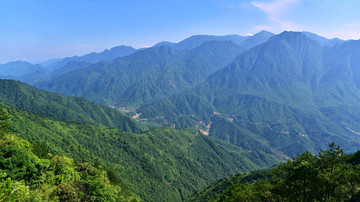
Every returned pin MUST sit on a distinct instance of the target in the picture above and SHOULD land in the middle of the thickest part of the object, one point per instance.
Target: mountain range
(283, 91)
(30, 73)
(272, 89)
(196, 56)
(173, 118)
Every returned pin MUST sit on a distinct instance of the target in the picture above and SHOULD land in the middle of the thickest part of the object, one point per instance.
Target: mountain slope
(146, 75)
(187, 71)
(275, 93)
(288, 89)
(68, 67)
(306, 177)
(116, 82)
(103, 82)
(160, 163)
(63, 108)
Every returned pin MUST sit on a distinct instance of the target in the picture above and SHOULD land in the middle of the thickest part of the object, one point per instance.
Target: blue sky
(38, 30)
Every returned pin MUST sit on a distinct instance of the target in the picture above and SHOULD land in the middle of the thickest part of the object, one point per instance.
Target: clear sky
(37, 30)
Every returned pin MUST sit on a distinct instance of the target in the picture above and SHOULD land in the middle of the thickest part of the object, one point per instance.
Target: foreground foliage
(29, 172)
(329, 176)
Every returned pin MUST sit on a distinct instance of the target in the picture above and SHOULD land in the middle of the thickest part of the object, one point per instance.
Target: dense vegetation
(183, 73)
(162, 162)
(283, 94)
(59, 107)
(30, 173)
(294, 92)
(146, 75)
(105, 82)
(289, 94)
(329, 176)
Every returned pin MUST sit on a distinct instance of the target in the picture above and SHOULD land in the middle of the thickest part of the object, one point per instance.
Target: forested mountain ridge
(104, 82)
(68, 67)
(50, 69)
(284, 89)
(175, 77)
(288, 87)
(163, 162)
(145, 75)
(63, 108)
(329, 176)
(29, 172)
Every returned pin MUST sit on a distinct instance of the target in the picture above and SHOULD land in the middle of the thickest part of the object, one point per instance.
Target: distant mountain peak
(297, 41)
(18, 62)
(121, 47)
(164, 43)
(256, 39)
(291, 35)
(17, 68)
(198, 40)
(263, 32)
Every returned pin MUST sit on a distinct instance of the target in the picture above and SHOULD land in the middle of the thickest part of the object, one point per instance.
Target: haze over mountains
(224, 104)
(182, 52)
(29, 73)
(181, 84)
